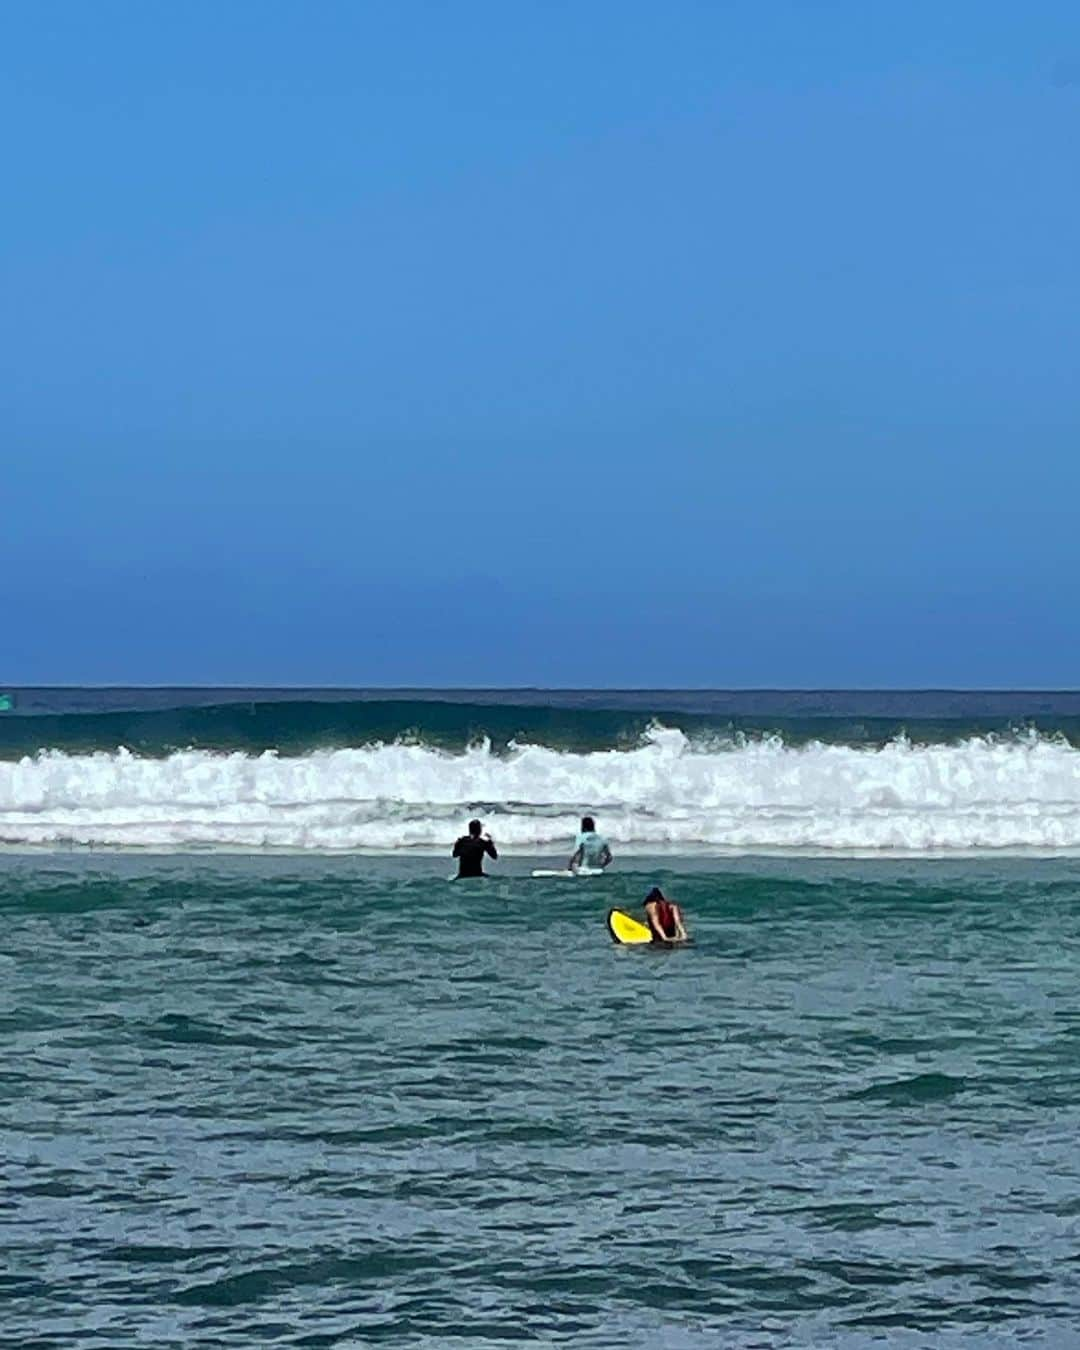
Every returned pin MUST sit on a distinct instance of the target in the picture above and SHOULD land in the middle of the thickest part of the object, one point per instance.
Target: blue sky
(540, 343)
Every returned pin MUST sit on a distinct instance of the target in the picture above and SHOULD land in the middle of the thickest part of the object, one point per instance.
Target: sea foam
(668, 791)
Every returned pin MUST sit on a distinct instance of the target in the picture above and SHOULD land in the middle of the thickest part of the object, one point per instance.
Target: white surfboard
(566, 873)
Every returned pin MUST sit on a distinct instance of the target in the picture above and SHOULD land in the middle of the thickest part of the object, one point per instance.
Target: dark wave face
(295, 728)
(159, 722)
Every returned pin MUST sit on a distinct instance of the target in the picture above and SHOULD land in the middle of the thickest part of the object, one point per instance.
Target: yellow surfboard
(623, 928)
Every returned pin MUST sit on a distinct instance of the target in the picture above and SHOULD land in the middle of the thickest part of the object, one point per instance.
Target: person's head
(654, 895)
(475, 826)
(588, 825)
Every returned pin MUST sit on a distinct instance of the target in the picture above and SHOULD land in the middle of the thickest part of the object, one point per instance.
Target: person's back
(590, 849)
(664, 917)
(594, 849)
(470, 850)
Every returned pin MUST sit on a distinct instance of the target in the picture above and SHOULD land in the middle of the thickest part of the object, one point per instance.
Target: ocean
(270, 1079)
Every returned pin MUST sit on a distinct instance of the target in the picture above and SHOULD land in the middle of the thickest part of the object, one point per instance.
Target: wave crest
(667, 791)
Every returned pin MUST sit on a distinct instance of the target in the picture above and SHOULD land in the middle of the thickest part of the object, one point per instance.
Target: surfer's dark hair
(475, 827)
(655, 894)
(588, 825)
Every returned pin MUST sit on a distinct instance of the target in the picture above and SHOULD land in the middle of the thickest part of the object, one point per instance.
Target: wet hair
(588, 825)
(655, 894)
(475, 826)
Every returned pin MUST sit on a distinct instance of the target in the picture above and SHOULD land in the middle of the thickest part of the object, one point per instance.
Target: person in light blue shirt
(592, 849)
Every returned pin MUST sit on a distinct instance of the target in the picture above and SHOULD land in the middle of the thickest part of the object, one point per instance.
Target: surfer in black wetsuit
(470, 849)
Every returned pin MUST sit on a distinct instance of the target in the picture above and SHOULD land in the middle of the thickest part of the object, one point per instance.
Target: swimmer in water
(664, 917)
(470, 849)
(592, 849)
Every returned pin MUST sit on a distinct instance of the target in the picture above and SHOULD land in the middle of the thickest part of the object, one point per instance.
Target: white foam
(1015, 794)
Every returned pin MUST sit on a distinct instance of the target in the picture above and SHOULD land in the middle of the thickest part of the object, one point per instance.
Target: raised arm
(489, 847)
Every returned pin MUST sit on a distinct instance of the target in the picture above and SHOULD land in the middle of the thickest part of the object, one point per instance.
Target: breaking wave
(669, 790)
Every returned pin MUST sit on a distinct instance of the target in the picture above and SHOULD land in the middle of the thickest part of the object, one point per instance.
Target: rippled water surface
(292, 1101)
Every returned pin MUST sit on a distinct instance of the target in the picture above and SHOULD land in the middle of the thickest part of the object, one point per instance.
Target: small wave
(923, 1087)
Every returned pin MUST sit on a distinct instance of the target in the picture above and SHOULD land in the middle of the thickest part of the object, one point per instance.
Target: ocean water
(271, 1080)
(667, 771)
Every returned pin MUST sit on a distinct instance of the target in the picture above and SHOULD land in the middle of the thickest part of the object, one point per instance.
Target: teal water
(311, 1101)
(156, 722)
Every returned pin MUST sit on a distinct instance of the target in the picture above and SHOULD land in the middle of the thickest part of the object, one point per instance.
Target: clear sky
(540, 343)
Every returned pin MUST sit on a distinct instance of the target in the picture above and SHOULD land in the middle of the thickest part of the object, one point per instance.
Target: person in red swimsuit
(664, 917)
